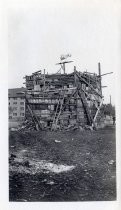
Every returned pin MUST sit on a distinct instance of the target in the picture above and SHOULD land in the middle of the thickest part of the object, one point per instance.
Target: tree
(108, 109)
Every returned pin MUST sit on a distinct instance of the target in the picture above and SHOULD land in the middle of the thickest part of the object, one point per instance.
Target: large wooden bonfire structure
(63, 100)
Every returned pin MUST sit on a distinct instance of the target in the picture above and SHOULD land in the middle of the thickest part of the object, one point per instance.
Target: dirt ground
(92, 154)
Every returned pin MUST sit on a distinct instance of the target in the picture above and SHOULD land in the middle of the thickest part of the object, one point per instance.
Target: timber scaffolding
(59, 101)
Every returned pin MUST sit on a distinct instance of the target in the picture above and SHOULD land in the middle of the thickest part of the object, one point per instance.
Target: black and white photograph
(63, 59)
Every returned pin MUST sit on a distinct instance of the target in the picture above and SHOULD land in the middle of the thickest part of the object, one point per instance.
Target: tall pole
(44, 79)
(110, 100)
(64, 70)
(44, 84)
(75, 78)
(100, 79)
(75, 83)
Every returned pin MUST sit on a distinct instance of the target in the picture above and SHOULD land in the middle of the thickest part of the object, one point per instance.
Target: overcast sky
(40, 33)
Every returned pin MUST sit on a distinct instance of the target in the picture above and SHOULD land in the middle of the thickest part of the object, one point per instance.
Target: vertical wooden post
(44, 84)
(64, 69)
(44, 79)
(100, 79)
(110, 100)
(75, 83)
(75, 78)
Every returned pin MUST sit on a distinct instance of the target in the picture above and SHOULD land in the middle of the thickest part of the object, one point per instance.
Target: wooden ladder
(85, 105)
(55, 120)
(34, 118)
(56, 117)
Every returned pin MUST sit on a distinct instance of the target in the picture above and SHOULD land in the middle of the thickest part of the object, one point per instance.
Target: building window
(9, 103)
(22, 114)
(22, 103)
(21, 108)
(14, 114)
(10, 117)
(14, 102)
(15, 98)
(14, 108)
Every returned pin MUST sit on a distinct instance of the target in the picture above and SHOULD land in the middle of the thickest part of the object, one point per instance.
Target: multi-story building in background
(16, 102)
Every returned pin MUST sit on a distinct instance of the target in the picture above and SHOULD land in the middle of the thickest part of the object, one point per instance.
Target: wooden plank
(59, 111)
(97, 112)
(34, 118)
(106, 74)
(85, 105)
(83, 80)
(56, 110)
(100, 79)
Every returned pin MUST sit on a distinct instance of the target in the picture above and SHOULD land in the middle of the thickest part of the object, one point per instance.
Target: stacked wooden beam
(69, 102)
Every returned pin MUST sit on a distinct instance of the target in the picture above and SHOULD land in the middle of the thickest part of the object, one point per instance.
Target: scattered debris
(13, 129)
(46, 158)
(23, 165)
(81, 128)
(57, 141)
(51, 182)
(111, 162)
(87, 153)
(26, 163)
(87, 127)
(13, 156)
(12, 146)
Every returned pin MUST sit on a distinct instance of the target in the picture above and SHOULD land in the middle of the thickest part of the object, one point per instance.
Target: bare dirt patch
(38, 165)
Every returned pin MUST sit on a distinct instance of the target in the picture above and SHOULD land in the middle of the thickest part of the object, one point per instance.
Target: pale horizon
(38, 36)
